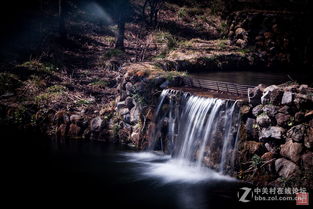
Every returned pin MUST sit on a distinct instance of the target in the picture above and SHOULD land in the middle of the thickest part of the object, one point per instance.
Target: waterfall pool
(41, 172)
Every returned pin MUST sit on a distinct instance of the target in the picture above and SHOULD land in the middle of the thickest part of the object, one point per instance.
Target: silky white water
(197, 135)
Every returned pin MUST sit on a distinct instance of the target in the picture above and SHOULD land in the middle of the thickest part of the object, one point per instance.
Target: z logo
(243, 197)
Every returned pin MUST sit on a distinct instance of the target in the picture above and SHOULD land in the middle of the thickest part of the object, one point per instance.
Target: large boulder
(286, 168)
(273, 132)
(263, 120)
(296, 133)
(291, 150)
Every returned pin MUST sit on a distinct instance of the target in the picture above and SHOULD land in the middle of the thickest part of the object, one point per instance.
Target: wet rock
(296, 133)
(129, 102)
(257, 110)
(286, 168)
(253, 147)
(74, 131)
(273, 132)
(75, 118)
(287, 98)
(95, 124)
(308, 139)
(270, 110)
(255, 94)
(307, 160)
(263, 120)
(282, 119)
(291, 150)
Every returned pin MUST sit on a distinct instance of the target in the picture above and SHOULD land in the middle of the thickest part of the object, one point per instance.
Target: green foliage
(256, 161)
(38, 66)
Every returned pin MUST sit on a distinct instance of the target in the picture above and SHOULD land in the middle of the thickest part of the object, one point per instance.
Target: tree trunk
(119, 44)
(62, 30)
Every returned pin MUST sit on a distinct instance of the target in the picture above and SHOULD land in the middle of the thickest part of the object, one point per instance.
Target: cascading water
(197, 131)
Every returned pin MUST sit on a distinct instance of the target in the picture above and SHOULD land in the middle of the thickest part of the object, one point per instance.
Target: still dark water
(45, 173)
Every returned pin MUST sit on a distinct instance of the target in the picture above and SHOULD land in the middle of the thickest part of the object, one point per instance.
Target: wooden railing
(220, 86)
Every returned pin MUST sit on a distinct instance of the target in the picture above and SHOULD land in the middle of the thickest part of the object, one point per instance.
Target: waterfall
(199, 131)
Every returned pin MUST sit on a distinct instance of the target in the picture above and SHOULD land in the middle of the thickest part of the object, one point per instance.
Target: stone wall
(135, 106)
(277, 135)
